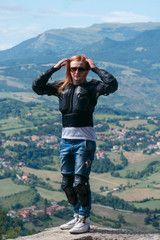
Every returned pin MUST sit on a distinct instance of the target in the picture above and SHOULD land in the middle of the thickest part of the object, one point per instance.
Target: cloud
(125, 17)
(54, 12)
(50, 11)
(122, 17)
(10, 7)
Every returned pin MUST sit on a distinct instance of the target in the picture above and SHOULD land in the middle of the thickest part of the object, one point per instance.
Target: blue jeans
(76, 158)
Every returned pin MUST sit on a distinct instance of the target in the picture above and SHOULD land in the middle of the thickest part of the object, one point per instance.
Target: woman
(77, 100)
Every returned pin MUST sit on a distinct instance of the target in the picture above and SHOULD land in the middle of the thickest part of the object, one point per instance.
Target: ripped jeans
(76, 157)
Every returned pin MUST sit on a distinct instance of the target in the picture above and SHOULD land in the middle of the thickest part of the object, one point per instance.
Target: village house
(40, 144)
(116, 148)
(26, 212)
(100, 154)
(44, 125)
(11, 214)
(56, 145)
(21, 164)
(115, 189)
(138, 143)
(53, 202)
(101, 137)
(157, 135)
(158, 145)
(121, 136)
(61, 208)
(50, 210)
(138, 132)
(35, 138)
(52, 139)
(6, 164)
(152, 146)
(98, 126)
(57, 123)
(33, 208)
(25, 177)
(38, 213)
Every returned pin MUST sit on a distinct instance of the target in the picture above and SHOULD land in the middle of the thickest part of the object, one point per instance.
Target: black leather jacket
(77, 102)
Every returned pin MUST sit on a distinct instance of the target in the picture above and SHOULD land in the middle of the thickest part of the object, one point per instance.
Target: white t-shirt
(84, 133)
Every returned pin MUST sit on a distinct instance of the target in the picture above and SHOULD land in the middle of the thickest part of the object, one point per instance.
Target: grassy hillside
(134, 222)
(7, 188)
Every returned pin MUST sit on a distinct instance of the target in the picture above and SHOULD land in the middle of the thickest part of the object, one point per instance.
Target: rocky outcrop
(96, 233)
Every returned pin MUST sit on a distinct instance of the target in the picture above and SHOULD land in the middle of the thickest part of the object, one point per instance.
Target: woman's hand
(91, 63)
(61, 63)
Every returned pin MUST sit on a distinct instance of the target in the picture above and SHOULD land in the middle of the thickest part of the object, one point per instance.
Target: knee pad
(82, 188)
(67, 187)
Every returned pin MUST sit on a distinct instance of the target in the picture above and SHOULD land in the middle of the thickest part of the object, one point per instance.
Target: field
(106, 180)
(138, 162)
(115, 157)
(152, 204)
(136, 157)
(14, 125)
(137, 192)
(23, 96)
(51, 195)
(54, 176)
(133, 123)
(7, 187)
(134, 222)
(107, 116)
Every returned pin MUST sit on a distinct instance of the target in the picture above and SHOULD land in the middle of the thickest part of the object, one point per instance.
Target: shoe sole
(63, 228)
(80, 232)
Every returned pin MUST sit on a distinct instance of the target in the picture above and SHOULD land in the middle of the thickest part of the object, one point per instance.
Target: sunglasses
(80, 69)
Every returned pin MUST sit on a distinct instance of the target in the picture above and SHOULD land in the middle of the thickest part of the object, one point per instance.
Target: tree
(2, 222)
(147, 220)
(101, 189)
(155, 223)
(124, 160)
(9, 227)
(121, 218)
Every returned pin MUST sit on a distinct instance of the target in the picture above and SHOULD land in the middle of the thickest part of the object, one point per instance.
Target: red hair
(68, 78)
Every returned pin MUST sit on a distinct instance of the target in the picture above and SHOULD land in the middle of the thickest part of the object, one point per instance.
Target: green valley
(125, 173)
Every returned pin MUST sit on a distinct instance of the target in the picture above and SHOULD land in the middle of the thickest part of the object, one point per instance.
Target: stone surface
(96, 233)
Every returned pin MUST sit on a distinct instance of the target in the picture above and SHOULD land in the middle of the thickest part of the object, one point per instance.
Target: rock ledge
(96, 233)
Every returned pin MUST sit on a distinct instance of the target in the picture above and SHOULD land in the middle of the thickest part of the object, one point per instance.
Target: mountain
(129, 51)
(141, 51)
(63, 41)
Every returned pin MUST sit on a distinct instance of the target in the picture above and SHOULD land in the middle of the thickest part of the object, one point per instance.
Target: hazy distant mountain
(142, 50)
(129, 51)
(63, 41)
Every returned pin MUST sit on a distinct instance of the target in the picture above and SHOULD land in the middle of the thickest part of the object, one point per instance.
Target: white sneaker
(71, 223)
(81, 226)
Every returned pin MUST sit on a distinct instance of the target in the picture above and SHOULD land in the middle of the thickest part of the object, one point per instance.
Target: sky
(21, 20)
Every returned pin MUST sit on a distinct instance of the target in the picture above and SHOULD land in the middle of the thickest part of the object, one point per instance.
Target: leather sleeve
(108, 84)
(41, 86)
